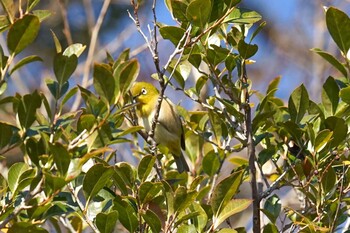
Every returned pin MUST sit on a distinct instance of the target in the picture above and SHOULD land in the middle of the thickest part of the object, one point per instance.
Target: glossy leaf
(106, 222)
(298, 103)
(61, 157)
(339, 128)
(95, 179)
(322, 138)
(127, 214)
(148, 191)
(272, 208)
(183, 198)
(225, 190)
(128, 75)
(22, 33)
(247, 50)
(330, 96)
(25, 61)
(14, 175)
(8, 134)
(345, 94)
(64, 66)
(201, 220)
(338, 24)
(243, 16)
(152, 220)
(145, 166)
(27, 109)
(332, 60)
(74, 49)
(10, 8)
(270, 228)
(234, 206)
(25, 227)
(211, 163)
(198, 12)
(328, 182)
(172, 33)
(104, 82)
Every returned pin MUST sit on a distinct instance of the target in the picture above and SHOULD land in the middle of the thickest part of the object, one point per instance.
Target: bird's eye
(143, 91)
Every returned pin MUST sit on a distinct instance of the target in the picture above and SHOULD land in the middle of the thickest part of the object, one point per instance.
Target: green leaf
(127, 214)
(273, 86)
(152, 220)
(330, 96)
(345, 94)
(57, 43)
(270, 228)
(42, 14)
(104, 82)
(31, 4)
(9, 8)
(183, 198)
(25, 227)
(4, 23)
(332, 60)
(211, 163)
(232, 207)
(247, 50)
(145, 166)
(64, 66)
(61, 157)
(225, 190)
(227, 230)
(322, 138)
(298, 103)
(128, 75)
(169, 197)
(272, 208)
(3, 86)
(329, 182)
(53, 183)
(75, 49)
(34, 149)
(201, 220)
(338, 24)
(198, 12)
(148, 191)
(339, 128)
(14, 175)
(177, 9)
(27, 109)
(55, 88)
(25, 61)
(8, 134)
(243, 16)
(172, 33)
(106, 222)
(95, 179)
(22, 33)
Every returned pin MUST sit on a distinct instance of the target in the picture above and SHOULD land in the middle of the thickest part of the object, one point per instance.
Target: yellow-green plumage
(169, 131)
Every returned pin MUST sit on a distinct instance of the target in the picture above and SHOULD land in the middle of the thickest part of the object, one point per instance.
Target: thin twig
(66, 28)
(90, 56)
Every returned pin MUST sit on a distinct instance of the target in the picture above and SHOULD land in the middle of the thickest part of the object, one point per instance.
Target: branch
(66, 28)
(90, 56)
(251, 152)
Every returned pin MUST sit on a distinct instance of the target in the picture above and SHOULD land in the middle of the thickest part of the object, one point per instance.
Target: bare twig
(66, 28)
(93, 42)
(251, 151)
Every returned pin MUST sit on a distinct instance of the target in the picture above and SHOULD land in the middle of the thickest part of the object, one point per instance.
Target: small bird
(168, 131)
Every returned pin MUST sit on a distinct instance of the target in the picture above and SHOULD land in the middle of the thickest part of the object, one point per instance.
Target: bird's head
(144, 93)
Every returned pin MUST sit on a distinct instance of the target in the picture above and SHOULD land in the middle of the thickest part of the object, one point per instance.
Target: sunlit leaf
(338, 24)
(25, 61)
(298, 103)
(198, 12)
(22, 33)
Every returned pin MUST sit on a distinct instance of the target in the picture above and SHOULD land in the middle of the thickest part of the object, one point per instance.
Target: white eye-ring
(143, 91)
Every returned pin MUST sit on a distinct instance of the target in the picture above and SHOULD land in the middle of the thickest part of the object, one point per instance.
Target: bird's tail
(181, 163)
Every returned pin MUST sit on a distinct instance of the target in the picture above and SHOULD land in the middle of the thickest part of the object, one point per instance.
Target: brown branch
(66, 28)
(251, 152)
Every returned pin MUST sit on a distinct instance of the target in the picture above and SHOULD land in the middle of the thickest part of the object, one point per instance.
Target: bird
(169, 131)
